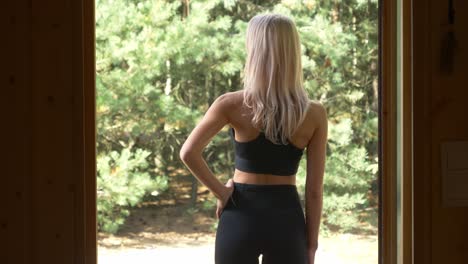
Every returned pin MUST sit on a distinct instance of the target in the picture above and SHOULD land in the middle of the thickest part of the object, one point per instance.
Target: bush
(122, 181)
(347, 180)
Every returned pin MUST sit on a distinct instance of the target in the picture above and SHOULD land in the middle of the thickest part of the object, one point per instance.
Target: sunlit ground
(168, 231)
(346, 249)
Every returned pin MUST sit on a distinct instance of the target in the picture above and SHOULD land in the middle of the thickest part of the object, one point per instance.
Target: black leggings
(262, 219)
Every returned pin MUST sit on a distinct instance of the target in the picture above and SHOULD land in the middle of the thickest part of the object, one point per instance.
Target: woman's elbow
(185, 153)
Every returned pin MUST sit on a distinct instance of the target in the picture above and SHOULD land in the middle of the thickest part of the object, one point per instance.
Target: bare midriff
(257, 178)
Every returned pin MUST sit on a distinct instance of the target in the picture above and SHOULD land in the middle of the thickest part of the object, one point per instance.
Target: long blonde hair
(273, 81)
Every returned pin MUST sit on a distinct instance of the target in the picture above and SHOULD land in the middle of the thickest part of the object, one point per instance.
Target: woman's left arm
(191, 151)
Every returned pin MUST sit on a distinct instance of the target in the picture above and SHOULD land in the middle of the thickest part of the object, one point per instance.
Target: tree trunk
(185, 8)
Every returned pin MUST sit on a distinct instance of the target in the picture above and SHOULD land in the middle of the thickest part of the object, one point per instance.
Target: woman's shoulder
(236, 95)
(316, 103)
(232, 99)
(229, 103)
(316, 115)
(317, 109)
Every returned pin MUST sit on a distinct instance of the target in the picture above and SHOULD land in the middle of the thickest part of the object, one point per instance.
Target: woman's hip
(265, 200)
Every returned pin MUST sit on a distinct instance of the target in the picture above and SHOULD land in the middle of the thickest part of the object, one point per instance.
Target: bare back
(240, 119)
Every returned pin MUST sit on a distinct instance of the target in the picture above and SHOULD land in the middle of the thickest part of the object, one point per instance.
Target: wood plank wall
(42, 218)
(440, 114)
(43, 184)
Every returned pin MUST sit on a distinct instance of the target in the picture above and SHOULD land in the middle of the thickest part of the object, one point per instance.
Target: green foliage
(159, 69)
(122, 181)
(348, 174)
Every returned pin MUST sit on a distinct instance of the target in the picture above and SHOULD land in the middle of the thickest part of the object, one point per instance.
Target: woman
(272, 122)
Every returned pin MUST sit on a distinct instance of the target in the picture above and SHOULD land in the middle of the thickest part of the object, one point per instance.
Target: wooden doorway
(395, 235)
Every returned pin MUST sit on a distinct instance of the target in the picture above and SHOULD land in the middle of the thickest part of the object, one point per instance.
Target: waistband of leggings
(264, 187)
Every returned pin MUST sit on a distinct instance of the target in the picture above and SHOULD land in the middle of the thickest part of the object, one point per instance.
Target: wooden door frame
(396, 211)
(89, 132)
(395, 240)
(406, 128)
(387, 132)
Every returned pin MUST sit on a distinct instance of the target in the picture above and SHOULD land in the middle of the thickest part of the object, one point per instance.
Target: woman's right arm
(316, 154)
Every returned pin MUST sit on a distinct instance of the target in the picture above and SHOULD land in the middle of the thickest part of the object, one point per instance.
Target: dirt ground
(166, 230)
(167, 235)
(163, 226)
(168, 220)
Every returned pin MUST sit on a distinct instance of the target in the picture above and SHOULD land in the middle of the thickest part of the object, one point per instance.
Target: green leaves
(341, 133)
(348, 176)
(122, 181)
(158, 70)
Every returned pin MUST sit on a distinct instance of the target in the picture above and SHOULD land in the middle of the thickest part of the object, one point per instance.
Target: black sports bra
(260, 155)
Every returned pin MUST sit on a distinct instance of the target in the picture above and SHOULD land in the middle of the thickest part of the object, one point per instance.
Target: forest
(161, 63)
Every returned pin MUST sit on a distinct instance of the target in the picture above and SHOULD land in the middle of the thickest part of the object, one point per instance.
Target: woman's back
(244, 133)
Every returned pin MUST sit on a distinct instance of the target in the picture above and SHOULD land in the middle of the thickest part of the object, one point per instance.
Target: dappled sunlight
(339, 249)
(161, 64)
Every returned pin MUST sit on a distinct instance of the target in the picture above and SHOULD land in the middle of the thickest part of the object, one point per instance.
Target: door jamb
(390, 251)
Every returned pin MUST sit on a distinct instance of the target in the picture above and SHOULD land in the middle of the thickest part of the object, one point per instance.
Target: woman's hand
(221, 203)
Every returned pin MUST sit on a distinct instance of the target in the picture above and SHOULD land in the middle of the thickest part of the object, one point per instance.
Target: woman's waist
(265, 197)
(263, 179)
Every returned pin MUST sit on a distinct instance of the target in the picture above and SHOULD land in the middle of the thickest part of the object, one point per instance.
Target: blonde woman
(272, 123)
